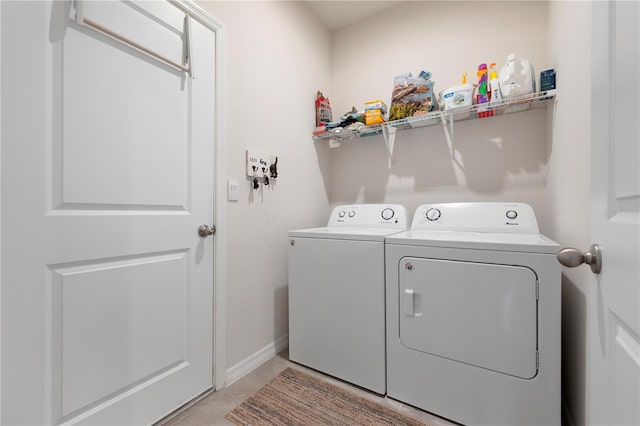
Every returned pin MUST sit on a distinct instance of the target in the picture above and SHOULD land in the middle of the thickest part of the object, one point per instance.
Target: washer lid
(529, 243)
(336, 233)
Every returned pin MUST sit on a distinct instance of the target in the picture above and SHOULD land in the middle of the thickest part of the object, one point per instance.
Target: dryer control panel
(369, 216)
(476, 217)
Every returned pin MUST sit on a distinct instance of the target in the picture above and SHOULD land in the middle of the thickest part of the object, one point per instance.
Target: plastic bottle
(482, 95)
(516, 77)
(495, 85)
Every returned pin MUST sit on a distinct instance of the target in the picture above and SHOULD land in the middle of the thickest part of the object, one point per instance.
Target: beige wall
(501, 159)
(568, 196)
(277, 57)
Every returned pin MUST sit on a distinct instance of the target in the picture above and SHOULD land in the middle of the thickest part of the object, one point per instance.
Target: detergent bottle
(516, 77)
(482, 95)
(495, 85)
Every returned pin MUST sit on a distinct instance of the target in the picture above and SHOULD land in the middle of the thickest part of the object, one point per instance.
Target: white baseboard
(250, 363)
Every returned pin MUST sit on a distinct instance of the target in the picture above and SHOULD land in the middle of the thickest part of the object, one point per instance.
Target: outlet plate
(233, 189)
(260, 161)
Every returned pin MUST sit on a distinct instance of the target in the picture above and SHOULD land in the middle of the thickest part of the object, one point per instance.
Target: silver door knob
(572, 257)
(206, 230)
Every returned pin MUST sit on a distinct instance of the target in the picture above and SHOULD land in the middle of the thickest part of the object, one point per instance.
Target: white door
(614, 307)
(107, 173)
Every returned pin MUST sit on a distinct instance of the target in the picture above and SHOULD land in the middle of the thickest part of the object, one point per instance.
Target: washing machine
(473, 315)
(337, 293)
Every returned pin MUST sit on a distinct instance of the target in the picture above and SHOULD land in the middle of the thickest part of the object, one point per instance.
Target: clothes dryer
(473, 315)
(337, 293)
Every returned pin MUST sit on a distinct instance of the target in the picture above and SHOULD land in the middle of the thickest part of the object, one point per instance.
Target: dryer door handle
(408, 302)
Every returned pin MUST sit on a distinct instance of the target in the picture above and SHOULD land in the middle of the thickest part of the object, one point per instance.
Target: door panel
(117, 324)
(107, 287)
(614, 294)
(477, 313)
(137, 128)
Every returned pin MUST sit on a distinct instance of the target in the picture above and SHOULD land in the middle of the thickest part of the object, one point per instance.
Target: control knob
(387, 213)
(433, 214)
(352, 213)
(341, 213)
(511, 214)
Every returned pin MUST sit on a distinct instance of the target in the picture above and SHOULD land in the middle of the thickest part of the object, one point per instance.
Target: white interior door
(107, 172)
(614, 307)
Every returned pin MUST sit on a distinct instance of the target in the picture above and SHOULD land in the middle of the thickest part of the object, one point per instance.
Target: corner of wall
(570, 161)
(265, 103)
(255, 360)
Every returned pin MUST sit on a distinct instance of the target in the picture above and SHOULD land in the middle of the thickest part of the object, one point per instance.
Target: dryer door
(480, 314)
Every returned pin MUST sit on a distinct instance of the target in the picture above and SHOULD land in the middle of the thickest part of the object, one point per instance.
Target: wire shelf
(473, 112)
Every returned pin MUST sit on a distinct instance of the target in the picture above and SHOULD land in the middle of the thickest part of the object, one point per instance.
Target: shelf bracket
(448, 131)
(448, 134)
(389, 133)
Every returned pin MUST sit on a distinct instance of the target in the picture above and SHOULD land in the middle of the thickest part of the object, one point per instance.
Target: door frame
(220, 201)
(220, 205)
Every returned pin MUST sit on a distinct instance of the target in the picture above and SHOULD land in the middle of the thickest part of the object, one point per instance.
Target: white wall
(504, 158)
(569, 185)
(277, 57)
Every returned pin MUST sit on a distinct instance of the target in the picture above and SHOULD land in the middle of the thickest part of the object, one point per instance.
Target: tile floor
(211, 409)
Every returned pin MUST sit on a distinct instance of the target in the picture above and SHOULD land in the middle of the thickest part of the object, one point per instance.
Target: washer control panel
(369, 216)
(476, 217)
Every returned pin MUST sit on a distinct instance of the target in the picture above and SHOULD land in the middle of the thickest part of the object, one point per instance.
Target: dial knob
(341, 213)
(387, 213)
(352, 213)
(433, 214)
(512, 214)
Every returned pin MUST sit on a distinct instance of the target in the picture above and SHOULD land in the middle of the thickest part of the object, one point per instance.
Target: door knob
(572, 257)
(206, 230)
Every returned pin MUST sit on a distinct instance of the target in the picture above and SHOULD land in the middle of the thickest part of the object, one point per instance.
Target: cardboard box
(377, 104)
(373, 116)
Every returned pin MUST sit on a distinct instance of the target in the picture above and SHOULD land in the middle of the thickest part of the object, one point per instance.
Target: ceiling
(339, 14)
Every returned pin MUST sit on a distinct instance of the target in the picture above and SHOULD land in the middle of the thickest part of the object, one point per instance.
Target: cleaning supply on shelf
(496, 97)
(457, 97)
(516, 77)
(482, 95)
(547, 80)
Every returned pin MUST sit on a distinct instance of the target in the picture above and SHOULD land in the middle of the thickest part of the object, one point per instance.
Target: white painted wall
(568, 196)
(504, 158)
(277, 57)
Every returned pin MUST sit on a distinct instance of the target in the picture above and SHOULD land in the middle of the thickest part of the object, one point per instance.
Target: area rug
(295, 398)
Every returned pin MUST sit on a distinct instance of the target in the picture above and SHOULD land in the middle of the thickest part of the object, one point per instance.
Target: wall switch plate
(233, 189)
(258, 163)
